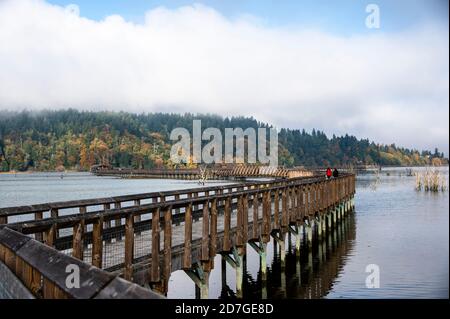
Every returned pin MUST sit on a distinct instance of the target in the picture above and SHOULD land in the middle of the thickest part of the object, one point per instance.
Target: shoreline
(32, 172)
(87, 171)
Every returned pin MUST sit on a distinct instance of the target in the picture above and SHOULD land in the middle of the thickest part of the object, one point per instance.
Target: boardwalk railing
(134, 247)
(56, 209)
(44, 272)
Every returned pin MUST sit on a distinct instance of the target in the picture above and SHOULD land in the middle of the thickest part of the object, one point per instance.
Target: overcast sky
(290, 63)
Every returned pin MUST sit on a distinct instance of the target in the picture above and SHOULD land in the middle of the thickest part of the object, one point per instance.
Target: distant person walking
(335, 173)
(329, 173)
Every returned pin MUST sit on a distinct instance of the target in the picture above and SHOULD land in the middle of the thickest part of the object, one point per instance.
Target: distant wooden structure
(215, 172)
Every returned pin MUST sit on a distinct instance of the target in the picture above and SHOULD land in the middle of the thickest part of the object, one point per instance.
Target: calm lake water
(402, 231)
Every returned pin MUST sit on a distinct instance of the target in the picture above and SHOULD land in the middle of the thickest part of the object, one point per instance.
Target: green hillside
(70, 139)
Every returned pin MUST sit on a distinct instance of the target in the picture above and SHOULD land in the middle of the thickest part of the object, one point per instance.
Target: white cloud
(387, 87)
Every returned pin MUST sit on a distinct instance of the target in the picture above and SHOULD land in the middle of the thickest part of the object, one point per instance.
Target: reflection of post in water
(312, 275)
(320, 283)
(236, 261)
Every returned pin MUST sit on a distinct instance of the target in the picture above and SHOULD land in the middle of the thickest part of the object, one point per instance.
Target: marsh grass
(431, 181)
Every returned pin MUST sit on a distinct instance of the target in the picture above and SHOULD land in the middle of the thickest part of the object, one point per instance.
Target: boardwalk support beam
(200, 278)
(235, 259)
(261, 248)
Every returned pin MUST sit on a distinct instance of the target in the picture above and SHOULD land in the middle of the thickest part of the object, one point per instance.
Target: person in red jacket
(329, 173)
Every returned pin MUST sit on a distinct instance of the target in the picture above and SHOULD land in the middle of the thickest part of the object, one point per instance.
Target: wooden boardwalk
(234, 172)
(145, 237)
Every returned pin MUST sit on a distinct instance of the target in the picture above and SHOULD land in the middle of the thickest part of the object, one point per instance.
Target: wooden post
(239, 233)
(37, 216)
(276, 209)
(55, 214)
(255, 216)
(50, 235)
(299, 203)
(266, 217)
(118, 221)
(245, 219)
(303, 192)
(227, 226)
(78, 235)
(284, 210)
(195, 195)
(167, 243)
(107, 224)
(263, 258)
(187, 258)
(97, 243)
(293, 210)
(155, 275)
(83, 210)
(129, 247)
(137, 217)
(177, 197)
(205, 233)
(213, 241)
(204, 287)
(307, 201)
(314, 199)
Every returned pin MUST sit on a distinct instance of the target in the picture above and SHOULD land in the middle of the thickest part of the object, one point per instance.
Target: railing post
(245, 218)
(167, 246)
(213, 230)
(284, 209)
(155, 274)
(78, 236)
(255, 231)
(50, 235)
(129, 247)
(97, 243)
(37, 236)
(205, 233)
(240, 230)
(266, 217)
(177, 197)
(227, 225)
(107, 224)
(299, 203)
(118, 221)
(276, 203)
(137, 217)
(54, 214)
(187, 258)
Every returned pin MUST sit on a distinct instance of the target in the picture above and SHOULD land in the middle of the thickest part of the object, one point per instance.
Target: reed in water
(431, 181)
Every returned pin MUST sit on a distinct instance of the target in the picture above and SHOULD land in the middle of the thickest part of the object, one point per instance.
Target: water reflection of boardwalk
(308, 276)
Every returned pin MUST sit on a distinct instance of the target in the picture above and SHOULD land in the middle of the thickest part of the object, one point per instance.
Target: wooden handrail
(30, 209)
(43, 271)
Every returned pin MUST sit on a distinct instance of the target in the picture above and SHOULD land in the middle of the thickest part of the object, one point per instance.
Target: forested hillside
(70, 139)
